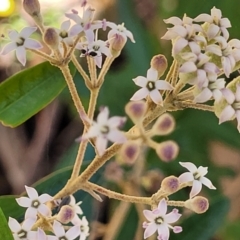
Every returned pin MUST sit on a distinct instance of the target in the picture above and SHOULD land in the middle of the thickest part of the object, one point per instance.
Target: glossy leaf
(5, 232)
(27, 92)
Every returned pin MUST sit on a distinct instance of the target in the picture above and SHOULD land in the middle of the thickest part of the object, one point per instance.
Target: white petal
(27, 31)
(75, 30)
(156, 96)
(188, 67)
(32, 193)
(163, 231)
(45, 198)
(102, 117)
(189, 166)
(140, 81)
(73, 232)
(205, 181)
(237, 94)
(203, 18)
(28, 223)
(228, 95)
(66, 25)
(98, 61)
(44, 210)
(130, 36)
(32, 44)
(212, 31)
(8, 48)
(149, 215)
(224, 22)
(24, 201)
(116, 136)
(162, 207)
(179, 45)
(203, 96)
(227, 114)
(31, 213)
(152, 74)
(140, 94)
(101, 145)
(163, 85)
(58, 229)
(172, 216)
(115, 122)
(238, 119)
(196, 188)
(13, 35)
(150, 230)
(186, 177)
(14, 225)
(21, 55)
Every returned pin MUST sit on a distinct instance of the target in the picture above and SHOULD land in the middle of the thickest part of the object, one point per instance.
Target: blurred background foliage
(47, 140)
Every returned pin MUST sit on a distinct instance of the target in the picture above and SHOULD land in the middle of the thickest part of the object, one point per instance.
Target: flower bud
(164, 125)
(170, 184)
(117, 42)
(136, 110)
(66, 214)
(32, 7)
(129, 152)
(197, 204)
(159, 62)
(167, 150)
(113, 172)
(51, 38)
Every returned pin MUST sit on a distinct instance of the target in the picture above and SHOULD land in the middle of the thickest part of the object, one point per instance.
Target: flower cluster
(204, 52)
(38, 213)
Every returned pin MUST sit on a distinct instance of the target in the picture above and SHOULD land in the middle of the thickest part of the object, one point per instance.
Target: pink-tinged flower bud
(170, 184)
(51, 38)
(164, 125)
(159, 63)
(136, 110)
(167, 150)
(66, 214)
(197, 204)
(129, 152)
(32, 7)
(117, 42)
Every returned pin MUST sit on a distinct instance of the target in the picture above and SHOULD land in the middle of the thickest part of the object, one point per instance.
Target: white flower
(83, 226)
(94, 49)
(34, 203)
(121, 30)
(195, 178)
(20, 42)
(160, 221)
(217, 23)
(105, 129)
(150, 86)
(232, 110)
(60, 233)
(64, 34)
(22, 232)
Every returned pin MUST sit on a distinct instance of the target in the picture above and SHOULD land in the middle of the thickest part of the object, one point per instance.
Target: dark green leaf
(5, 233)
(27, 92)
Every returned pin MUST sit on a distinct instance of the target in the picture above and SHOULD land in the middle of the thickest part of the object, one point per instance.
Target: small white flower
(34, 203)
(20, 42)
(232, 110)
(22, 232)
(105, 129)
(121, 30)
(83, 226)
(150, 87)
(160, 221)
(64, 34)
(60, 233)
(195, 178)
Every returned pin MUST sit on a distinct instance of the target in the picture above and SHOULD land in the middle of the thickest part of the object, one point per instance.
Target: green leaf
(203, 226)
(5, 232)
(10, 207)
(27, 92)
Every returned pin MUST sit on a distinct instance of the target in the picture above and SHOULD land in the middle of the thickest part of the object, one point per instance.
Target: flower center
(159, 220)
(22, 234)
(151, 85)
(82, 228)
(35, 203)
(104, 129)
(236, 105)
(63, 34)
(63, 238)
(196, 176)
(20, 41)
